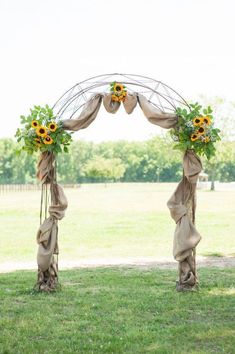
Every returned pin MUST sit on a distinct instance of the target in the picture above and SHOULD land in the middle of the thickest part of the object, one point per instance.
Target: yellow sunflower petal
(34, 124)
(197, 121)
(52, 126)
(206, 120)
(201, 131)
(38, 142)
(118, 87)
(114, 98)
(41, 131)
(194, 137)
(48, 140)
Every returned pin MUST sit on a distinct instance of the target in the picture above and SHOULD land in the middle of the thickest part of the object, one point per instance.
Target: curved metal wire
(162, 96)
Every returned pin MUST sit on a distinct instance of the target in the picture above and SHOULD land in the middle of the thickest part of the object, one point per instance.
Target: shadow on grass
(213, 254)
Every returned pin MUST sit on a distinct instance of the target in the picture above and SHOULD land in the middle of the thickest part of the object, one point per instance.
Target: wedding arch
(76, 109)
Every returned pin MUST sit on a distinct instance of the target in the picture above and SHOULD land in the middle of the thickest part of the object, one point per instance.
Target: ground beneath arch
(161, 263)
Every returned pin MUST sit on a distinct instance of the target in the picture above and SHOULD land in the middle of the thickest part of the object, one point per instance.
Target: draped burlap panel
(91, 109)
(182, 204)
(47, 235)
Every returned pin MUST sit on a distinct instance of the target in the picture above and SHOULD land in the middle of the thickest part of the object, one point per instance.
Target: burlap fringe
(47, 281)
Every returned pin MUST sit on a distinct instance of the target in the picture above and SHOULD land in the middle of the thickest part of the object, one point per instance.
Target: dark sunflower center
(48, 138)
(118, 88)
(52, 126)
(42, 131)
(35, 123)
(201, 130)
(197, 120)
(205, 120)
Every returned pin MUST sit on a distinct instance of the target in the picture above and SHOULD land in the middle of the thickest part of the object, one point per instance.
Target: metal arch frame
(167, 97)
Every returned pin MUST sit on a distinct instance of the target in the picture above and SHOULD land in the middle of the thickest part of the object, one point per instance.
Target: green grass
(129, 221)
(118, 310)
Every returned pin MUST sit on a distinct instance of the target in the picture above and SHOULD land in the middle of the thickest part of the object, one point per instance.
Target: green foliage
(104, 169)
(12, 168)
(40, 132)
(195, 130)
(147, 161)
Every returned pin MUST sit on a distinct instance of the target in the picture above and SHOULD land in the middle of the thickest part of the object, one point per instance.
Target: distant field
(116, 221)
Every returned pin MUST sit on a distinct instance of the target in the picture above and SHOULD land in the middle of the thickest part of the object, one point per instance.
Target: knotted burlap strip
(182, 208)
(46, 167)
(47, 234)
(47, 238)
(48, 231)
(90, 111)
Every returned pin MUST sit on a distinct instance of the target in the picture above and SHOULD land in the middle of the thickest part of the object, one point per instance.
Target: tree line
(153, 160)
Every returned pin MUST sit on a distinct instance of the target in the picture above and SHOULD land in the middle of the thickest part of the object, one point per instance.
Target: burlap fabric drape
(182, 206)
(47, 235)
(182, 203)
(91, 109)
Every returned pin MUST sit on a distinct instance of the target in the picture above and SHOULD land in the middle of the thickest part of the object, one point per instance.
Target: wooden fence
(5, 188)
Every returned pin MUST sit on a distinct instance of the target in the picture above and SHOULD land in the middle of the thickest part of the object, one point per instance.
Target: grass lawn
(118, 310)
(128, 221)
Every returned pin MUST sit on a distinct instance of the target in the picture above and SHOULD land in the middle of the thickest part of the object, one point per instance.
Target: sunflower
(114, 98)
(118, 87)
(52, 126)
(38, 142)
(206, 120)
(194, 137)
(34, 124)
(201, 131)
(197, 121)
(48, 140)
(41, 131)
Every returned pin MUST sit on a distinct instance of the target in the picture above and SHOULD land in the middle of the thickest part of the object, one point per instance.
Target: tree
(219, 166)
(224, 113)
(99, 169)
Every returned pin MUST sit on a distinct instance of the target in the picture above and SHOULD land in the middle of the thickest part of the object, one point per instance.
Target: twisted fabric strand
(47, 235)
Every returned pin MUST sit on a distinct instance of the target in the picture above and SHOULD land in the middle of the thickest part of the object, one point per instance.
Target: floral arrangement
(195, 130)
(42, 133)
(118, 91)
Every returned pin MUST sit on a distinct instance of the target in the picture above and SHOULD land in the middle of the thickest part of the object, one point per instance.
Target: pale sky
(49, 45)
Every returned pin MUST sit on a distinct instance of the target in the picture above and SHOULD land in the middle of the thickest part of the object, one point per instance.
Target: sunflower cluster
(195, 130)
(42, 133)
(118, 91)
(202, 129)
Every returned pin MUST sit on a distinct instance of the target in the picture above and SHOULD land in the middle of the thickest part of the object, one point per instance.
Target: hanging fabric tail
(47, 235)
(182, 206)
